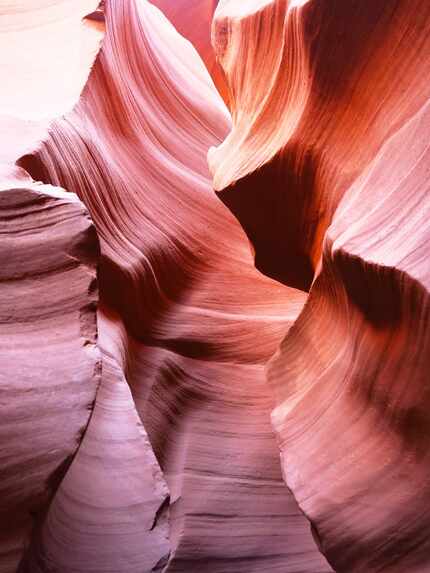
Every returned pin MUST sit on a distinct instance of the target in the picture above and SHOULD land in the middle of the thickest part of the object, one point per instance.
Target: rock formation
(163, 342)
(193, 20)
(50, 361)
(334, 153)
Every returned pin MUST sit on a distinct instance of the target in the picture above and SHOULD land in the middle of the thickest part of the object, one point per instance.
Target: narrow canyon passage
(214, 341)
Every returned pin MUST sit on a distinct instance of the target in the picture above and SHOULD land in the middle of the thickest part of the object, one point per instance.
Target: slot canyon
(214, 286)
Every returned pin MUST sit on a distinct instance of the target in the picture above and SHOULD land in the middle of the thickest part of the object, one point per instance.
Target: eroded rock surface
(143, 355)
(338, 162)
(110, 511)
(50, 363)
(191, 319)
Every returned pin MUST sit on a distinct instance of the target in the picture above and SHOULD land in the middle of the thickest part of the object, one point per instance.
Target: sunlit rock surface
(193, 20)
(183, 311)
(326, 167)
(311, 107)
(367, 384)
(47, 48)
(167, 406)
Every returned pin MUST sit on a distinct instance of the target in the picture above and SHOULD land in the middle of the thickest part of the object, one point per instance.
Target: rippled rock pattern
(214, 286)
(50, 362)
(334, 152)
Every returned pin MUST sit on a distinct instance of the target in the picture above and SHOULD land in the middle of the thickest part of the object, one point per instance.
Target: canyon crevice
(214, 278)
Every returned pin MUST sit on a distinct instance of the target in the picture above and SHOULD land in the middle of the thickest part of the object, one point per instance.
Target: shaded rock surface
(110, 511)
(50, 362)
(338, 163)
(183, 310)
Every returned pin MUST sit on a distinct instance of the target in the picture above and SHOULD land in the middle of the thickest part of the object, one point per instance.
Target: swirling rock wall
(337, 163)
(367, 491)
(145, 357)
(311, 107)
(183, 314)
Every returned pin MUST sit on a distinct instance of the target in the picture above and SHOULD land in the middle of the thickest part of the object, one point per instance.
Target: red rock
(193, 20)
(188, 315)
(313, 105)
(323, 159)
(325, 167)
(50, 361)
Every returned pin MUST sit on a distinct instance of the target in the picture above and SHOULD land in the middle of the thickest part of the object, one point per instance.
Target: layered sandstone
(330, 144)
(50, 362)
(181, 305)
(151, 375)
